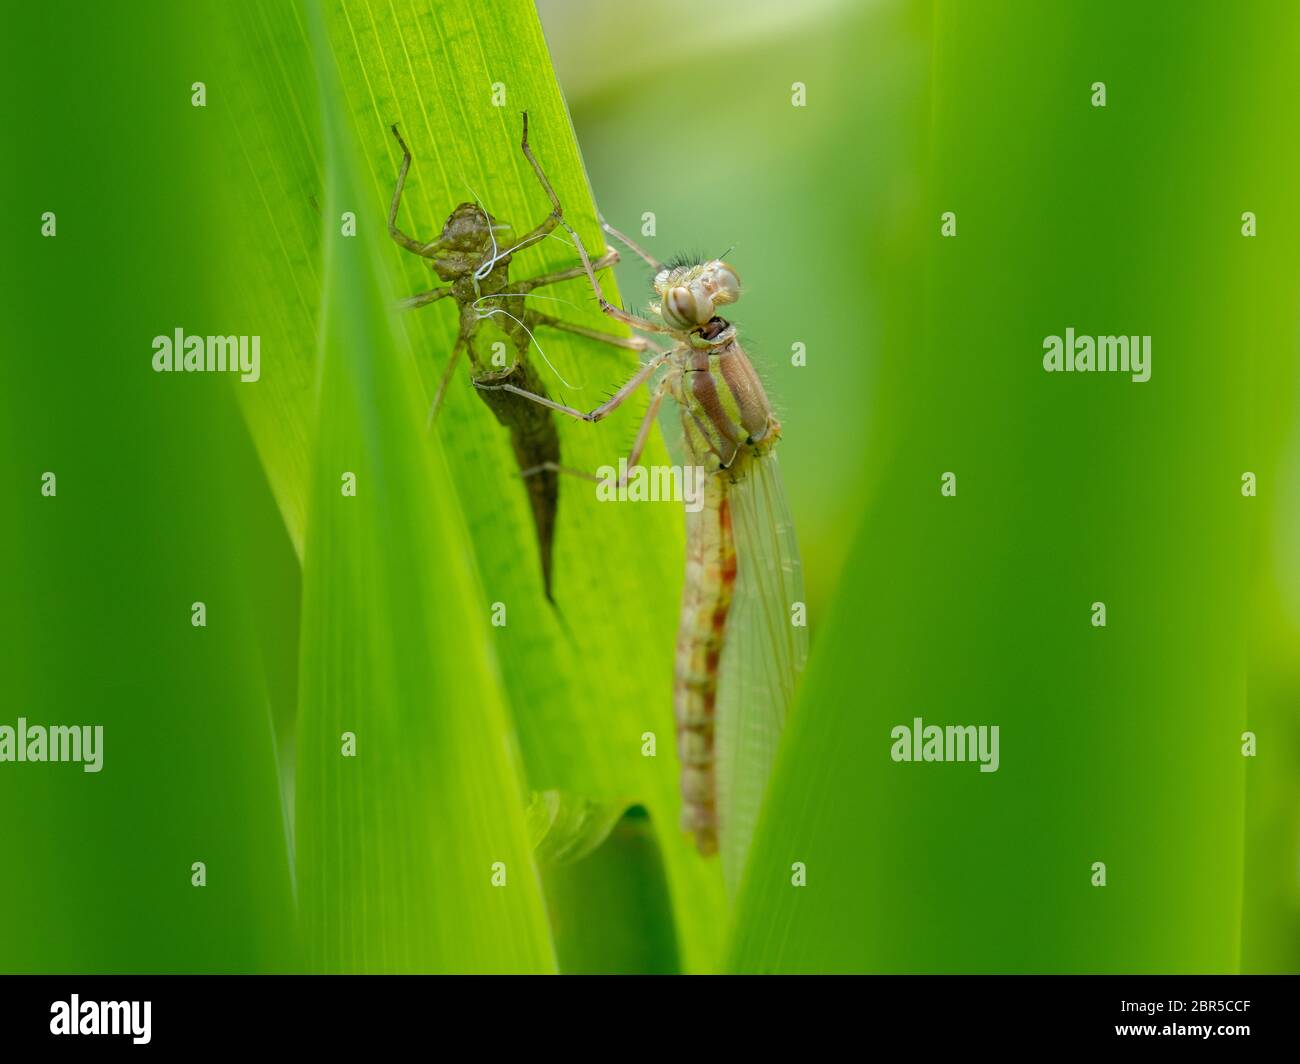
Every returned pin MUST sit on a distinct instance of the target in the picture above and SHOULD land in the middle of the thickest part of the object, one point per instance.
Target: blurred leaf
(611, 911)
(160, 502)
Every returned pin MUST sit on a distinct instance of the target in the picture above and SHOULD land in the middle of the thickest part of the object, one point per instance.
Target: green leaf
(413, 853)
(611, 910)
(586, 678)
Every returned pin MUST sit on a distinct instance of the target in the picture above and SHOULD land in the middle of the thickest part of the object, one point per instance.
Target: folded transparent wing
(763, 655)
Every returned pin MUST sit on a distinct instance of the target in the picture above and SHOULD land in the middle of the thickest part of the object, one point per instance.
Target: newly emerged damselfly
(739, 650)
(472, 255)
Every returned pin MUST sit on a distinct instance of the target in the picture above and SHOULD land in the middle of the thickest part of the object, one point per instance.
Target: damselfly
(473, 255)
(739, 650)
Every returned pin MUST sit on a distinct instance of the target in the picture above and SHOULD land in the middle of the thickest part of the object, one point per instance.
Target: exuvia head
(469, 238)
(690, 295)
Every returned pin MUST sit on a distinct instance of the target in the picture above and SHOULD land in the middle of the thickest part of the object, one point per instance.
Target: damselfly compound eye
(726, 285)
(684, 308)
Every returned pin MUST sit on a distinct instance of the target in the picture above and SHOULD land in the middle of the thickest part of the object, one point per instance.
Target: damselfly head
(690, 294)
(469, 236)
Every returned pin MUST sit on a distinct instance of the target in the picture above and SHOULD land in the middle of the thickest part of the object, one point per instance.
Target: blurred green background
(1120, 744)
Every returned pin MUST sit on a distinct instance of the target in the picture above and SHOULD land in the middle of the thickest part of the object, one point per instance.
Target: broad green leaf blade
(414, 853)
(587, 680)
(158, 502)
(268, 106)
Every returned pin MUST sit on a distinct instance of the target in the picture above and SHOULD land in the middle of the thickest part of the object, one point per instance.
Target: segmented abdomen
(706, 598)
(536, 443)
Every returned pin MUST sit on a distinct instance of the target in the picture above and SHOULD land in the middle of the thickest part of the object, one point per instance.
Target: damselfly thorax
(725, 415)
